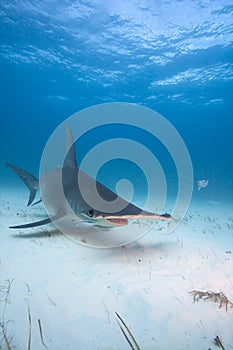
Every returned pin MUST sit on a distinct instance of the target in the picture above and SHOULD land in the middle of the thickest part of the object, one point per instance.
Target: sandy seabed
(73, 291)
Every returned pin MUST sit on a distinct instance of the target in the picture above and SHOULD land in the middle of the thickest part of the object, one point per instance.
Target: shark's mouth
(118, 222)
(114, 220)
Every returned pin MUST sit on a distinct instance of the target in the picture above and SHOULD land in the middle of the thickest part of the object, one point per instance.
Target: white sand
(74, 290)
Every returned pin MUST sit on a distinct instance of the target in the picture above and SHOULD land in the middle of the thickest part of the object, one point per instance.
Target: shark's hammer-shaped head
(118, 211)
(95, 203)
(121, 218)
(69, 184)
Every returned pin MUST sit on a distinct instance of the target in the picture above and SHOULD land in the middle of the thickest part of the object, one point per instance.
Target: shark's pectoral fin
(39, 223)
(33, 224)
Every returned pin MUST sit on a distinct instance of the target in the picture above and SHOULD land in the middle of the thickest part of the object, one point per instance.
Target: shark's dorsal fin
(70, 159)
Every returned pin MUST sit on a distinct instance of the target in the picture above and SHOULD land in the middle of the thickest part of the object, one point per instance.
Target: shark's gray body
(62, 197)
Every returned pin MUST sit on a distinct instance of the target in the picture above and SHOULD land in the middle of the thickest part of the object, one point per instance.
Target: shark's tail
(30, 181)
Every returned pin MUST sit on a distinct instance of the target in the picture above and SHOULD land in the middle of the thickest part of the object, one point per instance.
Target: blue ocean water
(175, 57)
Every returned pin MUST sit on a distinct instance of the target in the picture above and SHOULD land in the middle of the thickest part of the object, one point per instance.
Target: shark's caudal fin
(30, 181)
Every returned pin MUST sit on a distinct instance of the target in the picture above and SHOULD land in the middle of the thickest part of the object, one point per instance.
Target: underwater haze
(175, 57)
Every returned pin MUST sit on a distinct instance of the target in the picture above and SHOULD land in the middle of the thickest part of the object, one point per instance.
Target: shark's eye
(90, 213)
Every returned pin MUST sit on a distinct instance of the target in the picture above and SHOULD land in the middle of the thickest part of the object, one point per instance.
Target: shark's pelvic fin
(40, 200)
(30, 181)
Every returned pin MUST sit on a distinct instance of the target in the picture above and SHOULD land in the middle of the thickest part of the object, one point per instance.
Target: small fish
(202, 184)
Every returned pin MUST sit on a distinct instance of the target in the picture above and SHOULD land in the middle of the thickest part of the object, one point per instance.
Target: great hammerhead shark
(63, 199)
